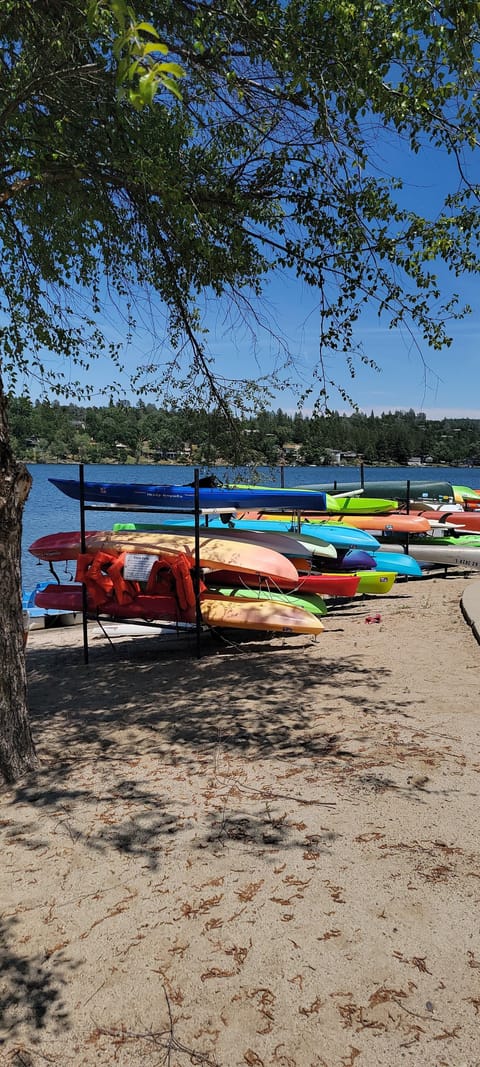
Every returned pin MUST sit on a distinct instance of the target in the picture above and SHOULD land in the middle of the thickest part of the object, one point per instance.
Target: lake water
(48, 511)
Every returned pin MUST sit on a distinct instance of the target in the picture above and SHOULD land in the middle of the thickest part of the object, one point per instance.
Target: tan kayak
(225, 612)
(214, 551)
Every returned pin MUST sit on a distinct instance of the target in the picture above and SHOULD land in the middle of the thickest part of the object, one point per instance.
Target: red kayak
(326, 584)
(468, 521)
(465, 520)
(144, 606)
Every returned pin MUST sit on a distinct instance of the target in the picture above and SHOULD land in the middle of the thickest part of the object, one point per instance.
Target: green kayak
(375, 583)
(462, 493)
(359, 505)
(356, 504)
(311, 602)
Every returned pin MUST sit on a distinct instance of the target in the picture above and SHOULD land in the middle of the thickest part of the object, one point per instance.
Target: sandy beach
(265, 857)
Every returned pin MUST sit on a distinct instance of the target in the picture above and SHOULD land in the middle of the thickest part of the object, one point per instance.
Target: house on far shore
(337, 457)
(290, 452)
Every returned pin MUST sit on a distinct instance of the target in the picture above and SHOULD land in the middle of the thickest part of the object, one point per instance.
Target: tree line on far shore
(50, 432)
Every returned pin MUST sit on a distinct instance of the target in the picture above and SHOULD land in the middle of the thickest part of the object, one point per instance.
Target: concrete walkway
(471, 606)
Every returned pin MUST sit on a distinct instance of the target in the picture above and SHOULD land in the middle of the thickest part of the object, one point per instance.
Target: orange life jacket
(178, 569)
(161, 579)
(183, 582)
(103, 577)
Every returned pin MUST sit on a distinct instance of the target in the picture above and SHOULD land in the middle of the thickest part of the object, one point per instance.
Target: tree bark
(17, 752)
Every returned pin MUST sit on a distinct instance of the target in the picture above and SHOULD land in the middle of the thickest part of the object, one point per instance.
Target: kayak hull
(223, 612)
(465, 520)
(326, 584)
(214, 552)
(448, 555)
(335, 534)
(399, 562)
(375, 582)
(309, 602)
(355, 502)
(69, 598)
(396, 490)
(374, 524)
(288, 544)
(182, 497)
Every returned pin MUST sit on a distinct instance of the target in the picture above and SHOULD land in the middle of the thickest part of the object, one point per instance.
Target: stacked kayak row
(271, 579)
(269, 559)
(244, 584)
(436, 536)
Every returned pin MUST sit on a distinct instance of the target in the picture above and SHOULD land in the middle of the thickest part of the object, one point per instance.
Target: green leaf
(147, 28)
(171, 85)
(171, 68)
(149, 47)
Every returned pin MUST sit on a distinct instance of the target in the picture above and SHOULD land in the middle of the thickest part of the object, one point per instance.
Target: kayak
(375, 582)
(217, 611)
(308, 601)
(359, 505)
(182, 497)
(69, 598)
(435, 552)
(224, 612)
(352, 559)
(376, 524)
(401, 563)
(288, 544)
(326, 584)
(355, 503)
(214, 551)
(419, 490)
(466, 520)
(396, 562)
(461, 540)
(334, 533)
(463, 494)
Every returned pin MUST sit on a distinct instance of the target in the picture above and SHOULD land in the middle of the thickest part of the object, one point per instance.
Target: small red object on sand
(373, 618)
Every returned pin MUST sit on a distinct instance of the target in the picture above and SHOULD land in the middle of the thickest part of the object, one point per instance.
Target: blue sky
(442, 384)
(445, 383)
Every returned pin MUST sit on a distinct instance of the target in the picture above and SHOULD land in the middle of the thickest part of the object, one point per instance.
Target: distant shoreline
(273, 466)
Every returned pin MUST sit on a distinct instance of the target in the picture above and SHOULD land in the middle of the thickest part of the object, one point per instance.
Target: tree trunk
(17, 752)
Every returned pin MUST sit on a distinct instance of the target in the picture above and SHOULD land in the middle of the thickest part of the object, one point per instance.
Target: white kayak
(444, 555)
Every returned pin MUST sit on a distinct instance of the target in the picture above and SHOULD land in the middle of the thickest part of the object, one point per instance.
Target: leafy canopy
(119, 177)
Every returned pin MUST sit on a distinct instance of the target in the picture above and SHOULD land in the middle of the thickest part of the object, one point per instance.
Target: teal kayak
(398, 562)
(333, 534)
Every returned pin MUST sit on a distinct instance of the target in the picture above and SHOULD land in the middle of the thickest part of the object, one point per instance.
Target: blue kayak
(398, 562)
(392, 562)
(333, 533)
(182, 497)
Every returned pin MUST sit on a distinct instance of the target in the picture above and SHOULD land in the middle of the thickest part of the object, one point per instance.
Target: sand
(267, 856)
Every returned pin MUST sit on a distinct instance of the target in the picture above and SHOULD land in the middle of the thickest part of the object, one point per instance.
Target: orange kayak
(393, 522)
